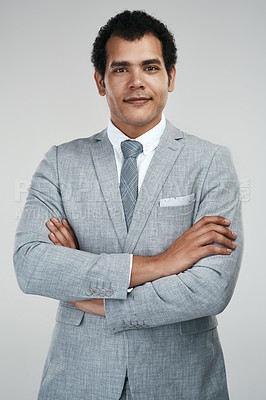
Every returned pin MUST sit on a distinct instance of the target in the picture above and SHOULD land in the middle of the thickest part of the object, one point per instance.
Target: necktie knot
(131, 148)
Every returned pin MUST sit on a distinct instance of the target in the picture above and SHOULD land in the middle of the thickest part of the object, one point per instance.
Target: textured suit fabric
(163, 333)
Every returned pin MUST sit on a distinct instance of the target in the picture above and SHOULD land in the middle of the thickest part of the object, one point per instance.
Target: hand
(61, 233)
(198, 242)
(92, 306)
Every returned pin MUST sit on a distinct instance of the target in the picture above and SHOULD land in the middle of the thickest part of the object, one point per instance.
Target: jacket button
(102, 292)
(89, 292)
(109, 292)
(96, 292)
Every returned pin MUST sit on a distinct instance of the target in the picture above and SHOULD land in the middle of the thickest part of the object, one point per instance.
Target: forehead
(148, 47)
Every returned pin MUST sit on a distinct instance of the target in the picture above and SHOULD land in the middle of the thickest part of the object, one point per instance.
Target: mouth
(137, 101)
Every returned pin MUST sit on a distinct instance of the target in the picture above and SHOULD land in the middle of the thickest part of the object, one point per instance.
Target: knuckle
(227, 242)
(210, 236)
(216, 236)
(216, 249)
(225, 231)
(67, 237)
(222, 250)
(212, 226)
(231, 244)
(65, 241)
(212, 249)
(60, 226)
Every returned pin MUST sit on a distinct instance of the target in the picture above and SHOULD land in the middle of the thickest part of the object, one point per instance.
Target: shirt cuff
(131, 262)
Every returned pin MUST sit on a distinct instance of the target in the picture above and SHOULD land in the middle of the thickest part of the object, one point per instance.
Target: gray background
(48, 96)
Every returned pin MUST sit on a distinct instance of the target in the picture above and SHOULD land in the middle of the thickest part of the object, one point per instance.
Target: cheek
(111, 100)
(113, 95)
(160, 89)
(162, 97)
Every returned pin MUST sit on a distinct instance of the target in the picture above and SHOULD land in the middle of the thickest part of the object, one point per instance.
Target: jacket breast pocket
(174, 206)
(68, 314)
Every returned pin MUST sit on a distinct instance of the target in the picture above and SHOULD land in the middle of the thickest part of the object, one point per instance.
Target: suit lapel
(106, 170)
(161, 164)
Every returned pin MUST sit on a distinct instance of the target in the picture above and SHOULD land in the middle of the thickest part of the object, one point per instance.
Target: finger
(54, 239)
(211, 227)
(52, 235)
(57, 235)
(67, 226)
(60, 232)
(212, 220)
(70, 230)
(216, 237)
(208, 223)
(214, 250)
(70, 238)
(83, 305)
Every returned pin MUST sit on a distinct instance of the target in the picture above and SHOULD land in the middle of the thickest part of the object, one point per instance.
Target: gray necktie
(129, 177)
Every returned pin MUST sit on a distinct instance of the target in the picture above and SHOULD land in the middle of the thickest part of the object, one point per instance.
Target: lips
(137, 100)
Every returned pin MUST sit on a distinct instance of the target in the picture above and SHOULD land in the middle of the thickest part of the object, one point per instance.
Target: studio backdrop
(48, 96)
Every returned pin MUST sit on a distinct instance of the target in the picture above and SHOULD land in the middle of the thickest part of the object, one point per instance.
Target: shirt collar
(149, 139)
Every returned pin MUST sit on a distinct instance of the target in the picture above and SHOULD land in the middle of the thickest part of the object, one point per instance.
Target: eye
(151, 68)
(119, 70)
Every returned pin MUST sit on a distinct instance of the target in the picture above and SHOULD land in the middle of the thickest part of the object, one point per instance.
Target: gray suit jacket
(163, 333)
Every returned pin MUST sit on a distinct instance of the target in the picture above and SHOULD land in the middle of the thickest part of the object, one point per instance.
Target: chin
(138, 121)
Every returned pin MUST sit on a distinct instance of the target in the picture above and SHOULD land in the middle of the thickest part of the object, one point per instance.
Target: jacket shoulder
(195, 144)
(80, 144)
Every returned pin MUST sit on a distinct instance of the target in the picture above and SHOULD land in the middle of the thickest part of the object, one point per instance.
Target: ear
(172, 75)
(99, 83)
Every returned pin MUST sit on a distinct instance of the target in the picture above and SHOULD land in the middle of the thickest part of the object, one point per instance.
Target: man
(142, 252)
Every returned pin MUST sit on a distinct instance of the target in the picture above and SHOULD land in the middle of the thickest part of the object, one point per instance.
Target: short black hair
(133, 25)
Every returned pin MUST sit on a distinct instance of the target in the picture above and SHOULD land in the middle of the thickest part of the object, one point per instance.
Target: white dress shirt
(149, 141)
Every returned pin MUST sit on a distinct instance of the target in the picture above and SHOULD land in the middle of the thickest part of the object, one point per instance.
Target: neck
(134, 131)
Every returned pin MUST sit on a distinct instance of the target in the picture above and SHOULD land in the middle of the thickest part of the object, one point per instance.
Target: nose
(136, 80)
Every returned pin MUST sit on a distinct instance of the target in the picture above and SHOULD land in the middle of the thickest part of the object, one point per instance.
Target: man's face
(136, 83)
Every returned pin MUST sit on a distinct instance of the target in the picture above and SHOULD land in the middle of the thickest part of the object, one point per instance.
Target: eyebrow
(152, 61)
(143, 63)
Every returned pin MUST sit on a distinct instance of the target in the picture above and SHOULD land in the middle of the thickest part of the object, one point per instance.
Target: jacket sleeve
(206, 288)
(55, 271)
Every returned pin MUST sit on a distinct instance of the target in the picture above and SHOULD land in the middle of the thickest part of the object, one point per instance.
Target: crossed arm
(209, 236)
(165, 289)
